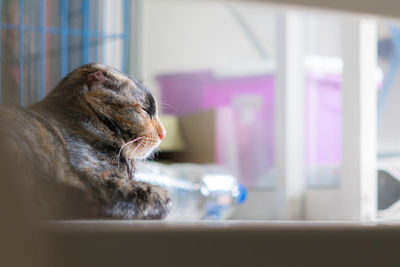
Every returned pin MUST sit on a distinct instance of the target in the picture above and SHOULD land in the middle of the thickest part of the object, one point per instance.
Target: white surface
(289, 116)
(358, 183)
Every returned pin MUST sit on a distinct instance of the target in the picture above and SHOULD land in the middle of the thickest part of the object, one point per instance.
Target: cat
(77, 147)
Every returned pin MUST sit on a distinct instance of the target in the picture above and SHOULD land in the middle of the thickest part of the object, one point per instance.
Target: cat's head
(123, 106)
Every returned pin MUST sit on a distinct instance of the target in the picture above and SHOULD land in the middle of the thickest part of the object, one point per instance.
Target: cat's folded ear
(96, 78)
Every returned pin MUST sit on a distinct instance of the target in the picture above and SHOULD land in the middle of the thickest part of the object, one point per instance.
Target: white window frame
(356, 196)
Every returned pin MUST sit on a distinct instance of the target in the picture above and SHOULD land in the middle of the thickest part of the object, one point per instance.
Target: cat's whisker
(141, 150)
(128, 143)
(119, 153)
(150, 139)
(134, 150)
(165, 104)
(151, 156)
(131, 154)
(139, 153)
(145, 146)
(145, 143)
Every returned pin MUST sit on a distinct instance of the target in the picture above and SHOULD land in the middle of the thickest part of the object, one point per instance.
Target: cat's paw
(153, 201)
(142, 201)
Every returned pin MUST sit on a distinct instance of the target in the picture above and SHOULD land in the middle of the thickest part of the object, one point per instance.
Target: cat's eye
(147, 111)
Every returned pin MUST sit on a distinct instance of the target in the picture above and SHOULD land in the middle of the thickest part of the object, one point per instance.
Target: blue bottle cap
(242, 194)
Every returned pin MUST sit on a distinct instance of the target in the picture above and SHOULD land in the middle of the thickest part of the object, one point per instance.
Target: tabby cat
(78, 145)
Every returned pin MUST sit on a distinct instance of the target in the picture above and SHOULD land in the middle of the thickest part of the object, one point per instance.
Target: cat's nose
(161, 134)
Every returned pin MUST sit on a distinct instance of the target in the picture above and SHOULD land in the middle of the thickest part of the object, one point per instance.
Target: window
(43, 40)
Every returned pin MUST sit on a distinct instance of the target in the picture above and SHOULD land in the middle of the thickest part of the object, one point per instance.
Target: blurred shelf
(386, 8)
(222, 243)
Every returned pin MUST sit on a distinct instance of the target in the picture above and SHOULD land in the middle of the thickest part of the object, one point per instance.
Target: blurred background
(212, 66)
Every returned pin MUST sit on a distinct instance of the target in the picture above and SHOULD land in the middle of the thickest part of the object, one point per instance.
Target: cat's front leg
(137, 200)
(118, 195)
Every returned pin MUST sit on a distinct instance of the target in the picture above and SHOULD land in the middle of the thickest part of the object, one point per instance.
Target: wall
(194, 35)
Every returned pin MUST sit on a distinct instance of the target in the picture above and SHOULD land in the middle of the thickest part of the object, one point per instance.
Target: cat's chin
(145, 154)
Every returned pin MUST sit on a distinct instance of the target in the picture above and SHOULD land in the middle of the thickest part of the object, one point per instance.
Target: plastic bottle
(198, 191)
